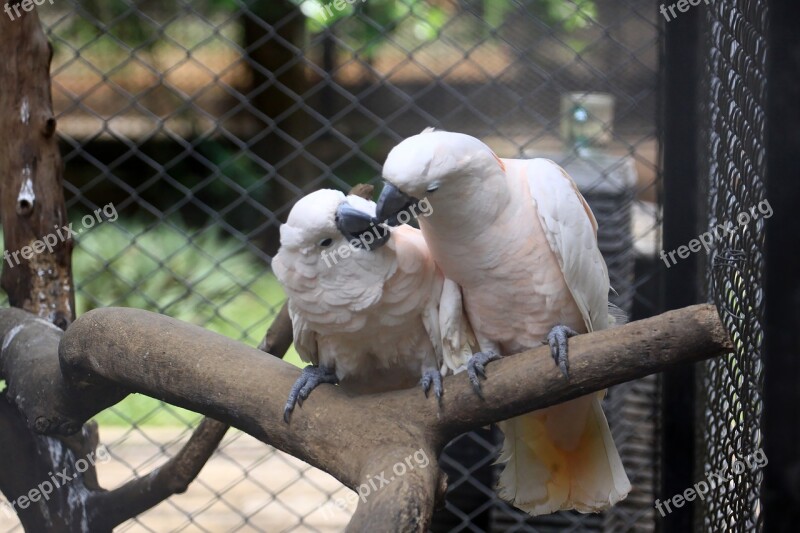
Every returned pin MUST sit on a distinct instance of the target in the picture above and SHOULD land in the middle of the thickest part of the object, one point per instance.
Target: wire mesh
(203, 122)
(734, 149)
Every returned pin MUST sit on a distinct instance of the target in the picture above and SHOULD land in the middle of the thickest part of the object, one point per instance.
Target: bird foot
(477, 366)
(310, 378)
(557, 339)
(432, 377)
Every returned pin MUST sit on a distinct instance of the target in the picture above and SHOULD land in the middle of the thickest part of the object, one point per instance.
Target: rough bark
(356, 438)
(32, 207)
(66, 508)
(31, 173)
(34, 380)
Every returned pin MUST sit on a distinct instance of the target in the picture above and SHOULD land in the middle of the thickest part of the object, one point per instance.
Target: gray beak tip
(361, 227)
(391, 203)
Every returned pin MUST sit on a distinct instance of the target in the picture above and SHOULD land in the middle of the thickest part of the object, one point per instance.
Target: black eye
(326, 242)
(433, 188)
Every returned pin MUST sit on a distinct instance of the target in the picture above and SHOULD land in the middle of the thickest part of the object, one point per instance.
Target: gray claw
(477, 366)
(557, 339)
(433, 377)
(310, 378)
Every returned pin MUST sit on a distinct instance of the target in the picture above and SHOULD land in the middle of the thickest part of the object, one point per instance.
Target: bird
(370, 310)
(521, 241)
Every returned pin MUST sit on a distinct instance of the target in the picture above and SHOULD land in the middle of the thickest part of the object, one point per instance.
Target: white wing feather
(455, 329)
(305, 340)
(571, 231)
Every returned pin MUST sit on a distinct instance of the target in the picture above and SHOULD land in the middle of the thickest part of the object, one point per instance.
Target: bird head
(327, 219)
(433, 164)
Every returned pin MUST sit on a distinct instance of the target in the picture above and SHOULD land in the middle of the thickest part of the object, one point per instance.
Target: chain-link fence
(202, 122)
(734, 150)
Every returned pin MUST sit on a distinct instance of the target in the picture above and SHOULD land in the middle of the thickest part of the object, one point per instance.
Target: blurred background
(204, 121)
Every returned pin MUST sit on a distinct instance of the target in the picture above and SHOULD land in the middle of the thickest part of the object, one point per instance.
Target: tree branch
(30, 460)
(354, 438)
(29, 358)
(279, 335)
(33, 376)
(109, 509)
(139, 495)
(529, 381)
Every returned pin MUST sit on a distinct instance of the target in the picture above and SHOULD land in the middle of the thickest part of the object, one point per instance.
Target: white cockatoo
(370, 310)
(521, 242)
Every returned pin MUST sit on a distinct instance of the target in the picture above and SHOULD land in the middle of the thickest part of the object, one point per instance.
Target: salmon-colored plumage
(521, 242)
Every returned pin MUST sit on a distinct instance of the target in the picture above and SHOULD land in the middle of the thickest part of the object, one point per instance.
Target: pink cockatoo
(521, 242)
(370, 310)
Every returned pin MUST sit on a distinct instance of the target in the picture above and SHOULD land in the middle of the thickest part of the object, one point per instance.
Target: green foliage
(495, 12)
(138, 410)
(570, 15)
(425, 20)
(142, 25)
(204, 278)
(115, 26)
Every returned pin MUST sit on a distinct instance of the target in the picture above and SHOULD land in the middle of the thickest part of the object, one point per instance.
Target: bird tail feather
(562, 457)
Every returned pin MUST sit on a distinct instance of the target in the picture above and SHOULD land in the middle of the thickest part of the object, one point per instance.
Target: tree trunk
(31, 189)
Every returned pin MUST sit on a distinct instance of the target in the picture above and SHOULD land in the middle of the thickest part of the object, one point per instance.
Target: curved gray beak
(359, 226)
(391, 203)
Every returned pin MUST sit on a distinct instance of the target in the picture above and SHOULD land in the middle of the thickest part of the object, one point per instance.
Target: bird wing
(571, 231)
(305, 339)
(458, 339)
